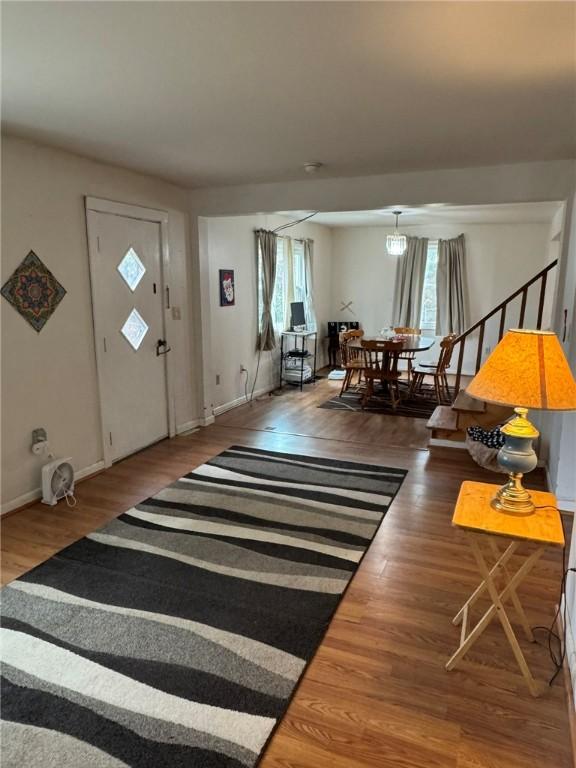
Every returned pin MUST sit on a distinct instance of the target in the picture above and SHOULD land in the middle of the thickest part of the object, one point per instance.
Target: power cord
(274, 392)
(255, 378)
(558, 655)
(68, 495)
(245, 384)
(293, 223)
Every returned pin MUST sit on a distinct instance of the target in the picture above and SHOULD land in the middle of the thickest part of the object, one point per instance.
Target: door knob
(159, 344)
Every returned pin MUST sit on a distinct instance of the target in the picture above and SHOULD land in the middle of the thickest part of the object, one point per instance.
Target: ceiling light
(396, 243)
(312, 168)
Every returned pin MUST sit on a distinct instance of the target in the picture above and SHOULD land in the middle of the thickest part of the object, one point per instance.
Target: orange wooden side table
(479, 520)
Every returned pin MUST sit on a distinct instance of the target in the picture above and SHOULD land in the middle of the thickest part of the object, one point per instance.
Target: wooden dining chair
(408, 356)
(438, 373)
(434, 363)
(381, 364)
(352, 358)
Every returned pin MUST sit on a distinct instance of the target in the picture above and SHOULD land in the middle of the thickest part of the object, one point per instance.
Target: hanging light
(396, 243)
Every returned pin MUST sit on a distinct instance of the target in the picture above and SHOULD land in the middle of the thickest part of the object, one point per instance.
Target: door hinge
(110, 438)
(105, 347)
(98, 243)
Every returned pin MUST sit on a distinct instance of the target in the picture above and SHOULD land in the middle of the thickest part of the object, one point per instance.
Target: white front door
(128, 303)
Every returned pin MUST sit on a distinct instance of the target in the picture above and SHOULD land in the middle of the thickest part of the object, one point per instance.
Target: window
(134, 329)
(299, 271)
(280, 287)
(131, 269)
(428, 312)
(280, 304)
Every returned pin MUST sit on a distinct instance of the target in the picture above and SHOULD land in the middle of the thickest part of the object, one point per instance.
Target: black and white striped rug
(175, 635)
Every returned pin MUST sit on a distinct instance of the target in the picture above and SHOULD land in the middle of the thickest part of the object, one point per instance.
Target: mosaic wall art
(33, 291)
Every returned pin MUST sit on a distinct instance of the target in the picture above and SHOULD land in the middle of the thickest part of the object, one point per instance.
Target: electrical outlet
(217, 379)
(39, 435)
(176, 313)
(487, 349)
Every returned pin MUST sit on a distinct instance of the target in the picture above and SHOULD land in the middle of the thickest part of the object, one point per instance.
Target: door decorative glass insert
(131, 269)
(134, 329)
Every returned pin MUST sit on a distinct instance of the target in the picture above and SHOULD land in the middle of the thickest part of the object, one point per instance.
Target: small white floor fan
(57, 481)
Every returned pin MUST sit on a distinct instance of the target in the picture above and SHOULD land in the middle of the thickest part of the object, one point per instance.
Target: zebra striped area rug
(175, 635)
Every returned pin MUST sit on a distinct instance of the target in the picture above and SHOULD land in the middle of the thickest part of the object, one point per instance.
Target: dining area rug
(176, 634)
(420, 407)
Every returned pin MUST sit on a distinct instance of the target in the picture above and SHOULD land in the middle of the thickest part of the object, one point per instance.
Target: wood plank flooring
(376, 693)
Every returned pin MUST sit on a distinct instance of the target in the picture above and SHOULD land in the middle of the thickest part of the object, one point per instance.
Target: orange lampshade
(527, 369)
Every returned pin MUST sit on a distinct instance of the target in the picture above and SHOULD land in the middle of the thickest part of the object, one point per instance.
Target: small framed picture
(227, 288)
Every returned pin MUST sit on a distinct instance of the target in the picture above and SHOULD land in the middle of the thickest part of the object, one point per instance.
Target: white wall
(49, 378)
(500, 258)
(561, 427)
(43, 193)
(230, 243)
(517, 183)
(523, 182)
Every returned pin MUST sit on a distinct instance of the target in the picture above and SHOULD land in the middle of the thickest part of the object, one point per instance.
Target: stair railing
(542, 276)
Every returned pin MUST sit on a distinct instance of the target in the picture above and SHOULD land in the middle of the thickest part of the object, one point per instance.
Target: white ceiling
(458, 215)
(223, 93)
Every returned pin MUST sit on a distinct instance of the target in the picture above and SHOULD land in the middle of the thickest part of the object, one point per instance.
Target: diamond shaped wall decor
(33, 291)
(134, 329)
(131, 269)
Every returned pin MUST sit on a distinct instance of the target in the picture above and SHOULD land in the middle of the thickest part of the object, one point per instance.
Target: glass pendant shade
(396, 243)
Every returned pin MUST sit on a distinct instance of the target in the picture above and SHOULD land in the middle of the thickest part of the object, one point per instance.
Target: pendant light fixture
(396, 243)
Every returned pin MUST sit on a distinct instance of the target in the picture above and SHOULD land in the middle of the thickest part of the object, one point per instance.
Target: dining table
(409, 343)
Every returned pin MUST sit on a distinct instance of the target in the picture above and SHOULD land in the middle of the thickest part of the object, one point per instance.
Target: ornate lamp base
(516, 457)
(513, 497)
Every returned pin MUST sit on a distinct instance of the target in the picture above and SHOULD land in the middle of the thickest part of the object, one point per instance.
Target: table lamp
(527, 369)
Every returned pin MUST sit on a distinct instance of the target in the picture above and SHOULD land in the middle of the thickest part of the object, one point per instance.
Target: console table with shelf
(294, 348)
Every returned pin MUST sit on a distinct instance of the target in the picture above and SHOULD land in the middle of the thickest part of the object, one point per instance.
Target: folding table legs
(467, 639)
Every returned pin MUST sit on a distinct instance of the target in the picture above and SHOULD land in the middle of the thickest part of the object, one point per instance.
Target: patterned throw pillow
(491, 438)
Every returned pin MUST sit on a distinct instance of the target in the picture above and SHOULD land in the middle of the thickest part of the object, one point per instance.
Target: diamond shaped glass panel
(131, 269)
(134, 329)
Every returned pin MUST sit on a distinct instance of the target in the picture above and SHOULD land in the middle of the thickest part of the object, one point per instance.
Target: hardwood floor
(297, 413)
(376, 693)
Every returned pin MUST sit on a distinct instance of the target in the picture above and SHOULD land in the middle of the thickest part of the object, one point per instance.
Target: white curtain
(289, 277)
(309, 285)
(451, 287)
(410, 283)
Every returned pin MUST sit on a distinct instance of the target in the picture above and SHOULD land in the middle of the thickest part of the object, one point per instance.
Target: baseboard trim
(565, 505)
(188, 426)
(569, 674)
(220, 409)
(93, 469)
(571, 662)
(436, 442)
(27, 499)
